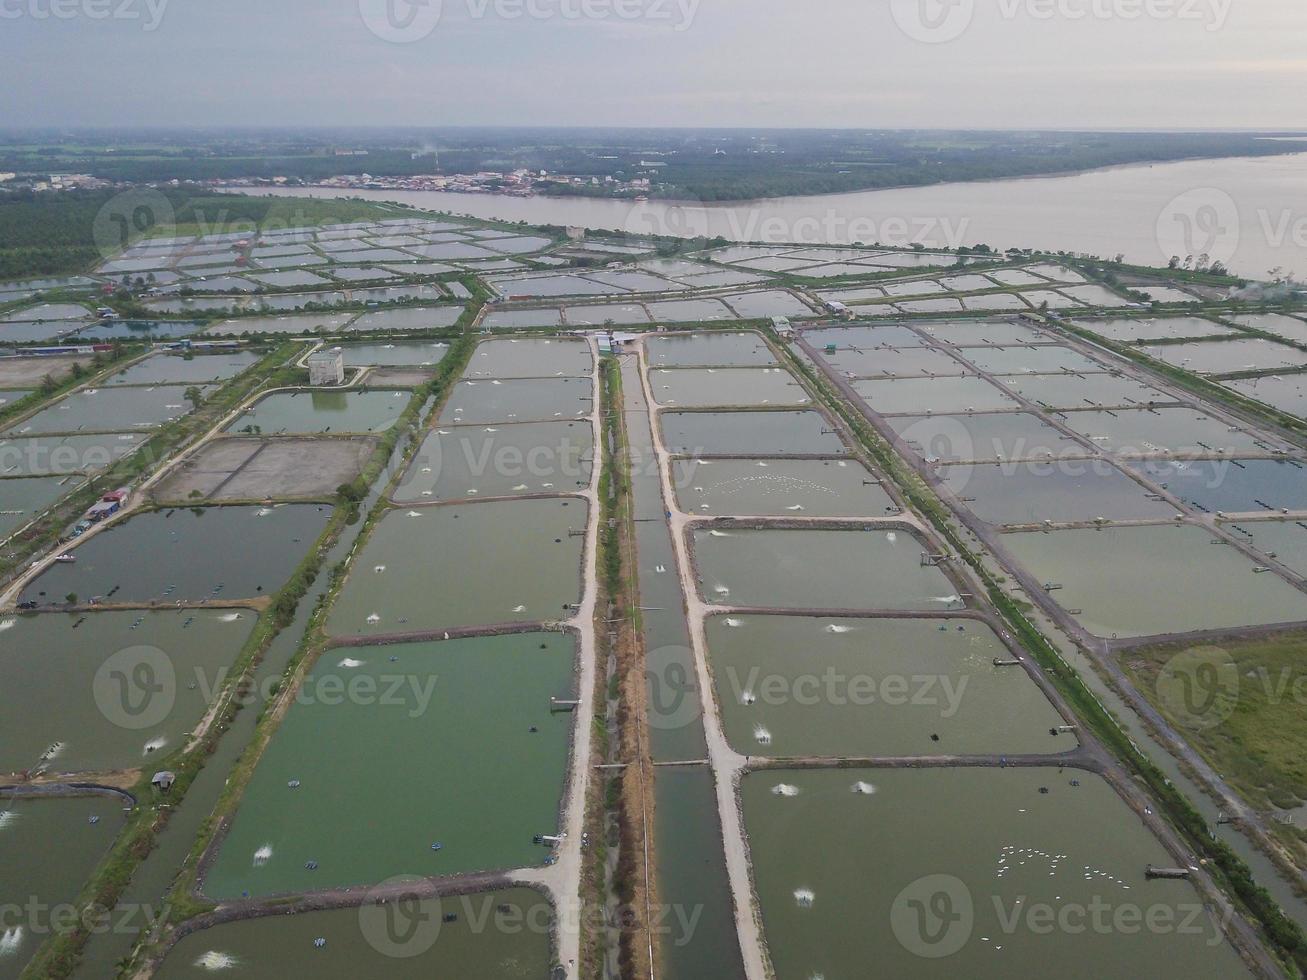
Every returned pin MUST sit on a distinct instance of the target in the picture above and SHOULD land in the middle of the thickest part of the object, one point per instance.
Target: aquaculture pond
(1163, 430)
(501, 562)
(913, 396)
(1003, 855)
(901, 362)
(11, 397)
(1286, 541)
(496, 935)
(107, 410)
(247, 552)
(527, 400)
(108, 690)
(710, 349)
(177, 369)
(870, 336)
(546, 357)
(429, 762)
(963, 438)
(1067, 491)
(318, 412)
(403, 353)
(1154, 328)
(23, 499)
(1231, 485)
(718, 387)
(779, 488)
(814, 569)
(1069, 391)
(699, 940)
(48, 849)
(1229, 356)
(759, 433)
(500, 461)
(1143, 581)
(1031, 360)
(1287, 393)
(986, 333)
(65, 455)
(408, 318)
(803, 687)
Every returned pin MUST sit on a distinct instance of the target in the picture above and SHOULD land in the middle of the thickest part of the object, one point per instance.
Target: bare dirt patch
(268, 469)
(28, 372)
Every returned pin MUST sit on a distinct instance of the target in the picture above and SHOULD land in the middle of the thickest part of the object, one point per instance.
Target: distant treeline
(695, 164)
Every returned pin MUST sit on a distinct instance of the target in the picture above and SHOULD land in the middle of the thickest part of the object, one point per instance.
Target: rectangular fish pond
(504, 935)
(972, 868)
(323, 412)
(540, 357)
(65, 455)
(757, 433)
(500, 461)
(430, 759)
(22, 499)
(719, 388)
(779, 488)
(188, 555)
(108, 410)
(48, 849)
(711, 349)
(818, 569)
(802, 687)
(1145, 581)
(438, 568)
(107, 690)
(529, 400)
(1066, 491)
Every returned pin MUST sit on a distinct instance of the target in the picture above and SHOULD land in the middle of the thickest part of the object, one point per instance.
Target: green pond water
(967, 873)
(708, 350)
(1229, 356)
(1233, 486)
(500, 461)
(465, 565)
(48, 848)
(518, 401)
(804, 569)
(714, 387)
(64, 455)
(1288, 393)
(1283, 540)
(801, 687)
(407, 746)
(496, 936)
(108, 410)
(1163, 430)
(903, 362)
(511, 357)
(1011, 435)
(313, 412)
(778, 488)
(769, 433)
(1031, 360)
(1142, 581)
(1062, 492)
(22, 499)
(698, 939)
(109, 690)
(181, 370)
(1084, 390)
(246, 552)
(914, 396)
(405, 353)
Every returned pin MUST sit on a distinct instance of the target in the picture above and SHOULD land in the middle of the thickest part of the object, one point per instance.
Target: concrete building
(327, 367)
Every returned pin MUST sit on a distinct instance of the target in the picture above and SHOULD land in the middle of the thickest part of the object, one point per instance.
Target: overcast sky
(783, 63)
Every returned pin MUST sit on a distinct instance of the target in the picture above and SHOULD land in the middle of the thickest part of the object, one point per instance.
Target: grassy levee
(1283, 936)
